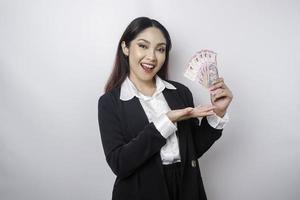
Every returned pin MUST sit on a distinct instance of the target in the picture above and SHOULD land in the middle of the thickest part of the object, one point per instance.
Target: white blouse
(156, 107)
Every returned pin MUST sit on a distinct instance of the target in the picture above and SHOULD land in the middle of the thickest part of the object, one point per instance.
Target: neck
(145, 87)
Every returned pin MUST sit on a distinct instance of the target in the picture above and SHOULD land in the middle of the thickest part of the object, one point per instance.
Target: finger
(202, 113)
(209, 113)
(204, 108)
(183, 114)
(218, 80)
(187, 110)
(216, 91)
(220, 94)
(216, 85)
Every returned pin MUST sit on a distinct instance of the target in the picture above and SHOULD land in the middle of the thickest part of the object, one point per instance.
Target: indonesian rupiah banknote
(202, 68)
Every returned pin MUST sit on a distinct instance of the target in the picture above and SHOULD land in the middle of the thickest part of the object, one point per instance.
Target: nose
(151, 55)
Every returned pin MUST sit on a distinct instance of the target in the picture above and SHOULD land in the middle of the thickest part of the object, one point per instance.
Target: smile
(147, 67)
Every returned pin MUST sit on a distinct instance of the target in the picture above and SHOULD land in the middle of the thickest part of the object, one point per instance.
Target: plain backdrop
(56, 55)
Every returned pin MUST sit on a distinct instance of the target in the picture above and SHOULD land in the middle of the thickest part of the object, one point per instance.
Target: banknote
(202, 68)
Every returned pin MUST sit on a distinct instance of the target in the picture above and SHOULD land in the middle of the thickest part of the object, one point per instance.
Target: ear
(125, 49)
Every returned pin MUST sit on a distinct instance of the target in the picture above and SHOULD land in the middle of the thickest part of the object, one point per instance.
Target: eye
(161, 49)
(142, 46)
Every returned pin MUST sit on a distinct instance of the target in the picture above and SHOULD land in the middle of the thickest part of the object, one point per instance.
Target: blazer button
(194, 163)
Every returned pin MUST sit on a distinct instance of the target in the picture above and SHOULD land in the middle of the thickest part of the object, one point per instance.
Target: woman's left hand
(220, 96)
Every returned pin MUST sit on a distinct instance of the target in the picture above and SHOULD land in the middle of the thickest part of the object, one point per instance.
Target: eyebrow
(162, 43)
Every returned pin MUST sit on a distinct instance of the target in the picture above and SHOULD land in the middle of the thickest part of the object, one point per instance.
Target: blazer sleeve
(204, 135)
(124, 157)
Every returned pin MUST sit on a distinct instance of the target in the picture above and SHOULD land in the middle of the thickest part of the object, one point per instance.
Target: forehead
(152, 35)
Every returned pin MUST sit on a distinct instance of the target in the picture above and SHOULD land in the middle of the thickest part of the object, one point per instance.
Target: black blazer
(132, 146)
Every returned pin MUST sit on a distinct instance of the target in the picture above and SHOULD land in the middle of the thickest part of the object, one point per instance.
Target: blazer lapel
(134, 117)
(173, 99)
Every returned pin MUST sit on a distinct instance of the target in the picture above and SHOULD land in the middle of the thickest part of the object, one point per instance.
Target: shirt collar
(128, 90)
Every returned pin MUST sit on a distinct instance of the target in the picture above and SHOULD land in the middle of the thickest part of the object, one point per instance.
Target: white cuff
(218, 122)
(164, 125)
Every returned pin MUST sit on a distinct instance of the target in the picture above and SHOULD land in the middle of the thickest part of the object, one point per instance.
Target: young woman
(150, 131)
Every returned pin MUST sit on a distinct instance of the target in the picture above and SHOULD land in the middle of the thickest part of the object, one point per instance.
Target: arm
(204, 135)
(124, 157)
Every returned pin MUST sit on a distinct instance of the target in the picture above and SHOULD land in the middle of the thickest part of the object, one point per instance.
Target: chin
(148, 77)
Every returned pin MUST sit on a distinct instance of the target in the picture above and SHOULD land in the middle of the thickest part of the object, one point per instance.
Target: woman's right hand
(189, 112)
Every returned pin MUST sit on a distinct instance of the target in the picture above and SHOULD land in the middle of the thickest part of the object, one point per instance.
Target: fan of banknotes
(202, 68)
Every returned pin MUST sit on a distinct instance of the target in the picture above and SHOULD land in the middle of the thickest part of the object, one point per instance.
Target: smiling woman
(146, 56)
(149, 127)
(134, 30)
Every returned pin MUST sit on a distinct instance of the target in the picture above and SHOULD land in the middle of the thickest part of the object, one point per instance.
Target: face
(147, 54)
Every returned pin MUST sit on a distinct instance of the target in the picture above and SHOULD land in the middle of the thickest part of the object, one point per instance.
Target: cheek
(161, 59)
(134, 58)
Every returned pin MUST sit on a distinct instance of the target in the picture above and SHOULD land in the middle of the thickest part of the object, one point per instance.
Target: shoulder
(110, 98)
(179, 86)
(183, 91)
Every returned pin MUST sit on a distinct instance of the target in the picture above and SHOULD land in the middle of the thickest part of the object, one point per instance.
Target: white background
(56, 55)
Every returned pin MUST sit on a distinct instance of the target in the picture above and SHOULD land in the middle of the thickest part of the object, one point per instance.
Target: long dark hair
(121, 64)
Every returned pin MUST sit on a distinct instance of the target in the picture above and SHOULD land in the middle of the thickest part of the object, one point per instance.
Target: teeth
(148, 66)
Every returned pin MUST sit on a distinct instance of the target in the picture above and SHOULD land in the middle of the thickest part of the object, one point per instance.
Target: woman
(149, 126)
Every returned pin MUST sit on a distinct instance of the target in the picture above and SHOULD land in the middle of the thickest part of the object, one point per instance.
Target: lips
(147, 67)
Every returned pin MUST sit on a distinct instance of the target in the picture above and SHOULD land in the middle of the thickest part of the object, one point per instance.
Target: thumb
(186, 111)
